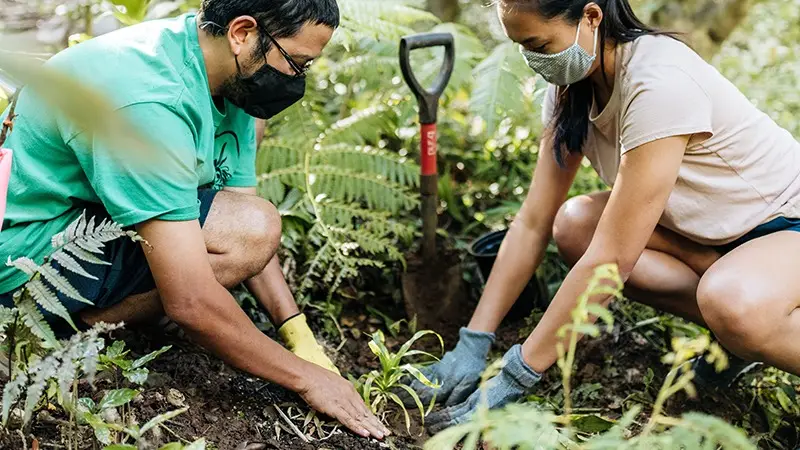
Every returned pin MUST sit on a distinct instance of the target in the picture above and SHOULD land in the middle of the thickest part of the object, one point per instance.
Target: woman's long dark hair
(620, 25)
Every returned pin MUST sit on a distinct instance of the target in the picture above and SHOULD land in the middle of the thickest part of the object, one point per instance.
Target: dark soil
(235, 411)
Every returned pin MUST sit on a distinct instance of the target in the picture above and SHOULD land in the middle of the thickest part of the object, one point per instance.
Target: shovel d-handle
(428, 99)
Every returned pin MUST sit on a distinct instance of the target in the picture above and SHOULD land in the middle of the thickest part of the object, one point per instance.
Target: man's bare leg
(242, 235)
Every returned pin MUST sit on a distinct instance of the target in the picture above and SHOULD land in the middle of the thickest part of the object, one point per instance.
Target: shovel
(428, 100)
(433, 286)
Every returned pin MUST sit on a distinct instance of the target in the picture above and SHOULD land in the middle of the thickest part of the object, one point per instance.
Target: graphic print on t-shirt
(222, 170)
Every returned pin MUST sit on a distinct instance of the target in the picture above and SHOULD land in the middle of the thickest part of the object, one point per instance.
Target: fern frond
(367, 159)
(69, 263)
(378, 20)
(48, 300)
(7, 315)
(61, 283)
(298, 126)
(81, 254)
(26, 265)
(361, 127)
(276, 157)
(34, 320)
(12, 392)
(350, 186)
(372, 244)
(500, 83)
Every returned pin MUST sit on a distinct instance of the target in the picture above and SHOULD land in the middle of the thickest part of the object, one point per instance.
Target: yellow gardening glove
(300, 341)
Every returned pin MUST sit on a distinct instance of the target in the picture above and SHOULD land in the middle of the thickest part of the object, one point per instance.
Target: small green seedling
(133, 370)
(378, 387)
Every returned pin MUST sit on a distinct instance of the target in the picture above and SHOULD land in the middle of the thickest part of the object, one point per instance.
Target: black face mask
(265, 93)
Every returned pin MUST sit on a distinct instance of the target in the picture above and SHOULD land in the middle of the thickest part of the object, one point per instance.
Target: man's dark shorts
(127, 273)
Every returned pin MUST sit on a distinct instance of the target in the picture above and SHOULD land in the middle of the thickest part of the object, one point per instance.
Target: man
(194, 84)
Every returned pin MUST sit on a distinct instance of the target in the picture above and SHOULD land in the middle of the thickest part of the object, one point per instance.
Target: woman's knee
(736, 312)
(575, 224)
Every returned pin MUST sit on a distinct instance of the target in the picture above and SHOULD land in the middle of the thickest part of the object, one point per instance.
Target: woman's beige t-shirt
(740, 168)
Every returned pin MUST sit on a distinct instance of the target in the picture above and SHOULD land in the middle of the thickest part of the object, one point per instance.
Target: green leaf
(418, 335)
(34, 320)
(136, 376)
(393, 397)
(172, 446)
(24, 264)
(158, 420)
(120, 447)
(417, 401)
(604, 314)
(116, 349)
(419, 376)
(199, 444)
(591, 423)
(87, 403)
(130, 12)
(499, 88)
(100, 427)
(62, 284)
(69, 263)
(147, 358)
(47, 299)
(117, 397)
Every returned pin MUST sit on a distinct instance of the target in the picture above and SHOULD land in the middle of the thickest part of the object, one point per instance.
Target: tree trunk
(446, 10)
(706, 23)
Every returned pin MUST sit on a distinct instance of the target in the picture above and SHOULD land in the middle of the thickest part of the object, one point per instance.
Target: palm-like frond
(501, 86)
(378, 19)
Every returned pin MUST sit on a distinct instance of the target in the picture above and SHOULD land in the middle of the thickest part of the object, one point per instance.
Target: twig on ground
(292, 426)
(174, 434)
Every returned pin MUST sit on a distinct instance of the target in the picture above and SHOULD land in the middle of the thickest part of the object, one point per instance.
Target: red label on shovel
(428, 157)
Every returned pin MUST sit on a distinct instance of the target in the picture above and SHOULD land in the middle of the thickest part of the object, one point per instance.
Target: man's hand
(334, 396)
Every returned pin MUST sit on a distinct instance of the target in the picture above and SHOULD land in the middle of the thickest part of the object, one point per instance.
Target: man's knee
(734, 311)
(574, 226)
(260, 231)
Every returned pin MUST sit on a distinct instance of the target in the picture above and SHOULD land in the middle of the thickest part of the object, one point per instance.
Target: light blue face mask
(563, 68)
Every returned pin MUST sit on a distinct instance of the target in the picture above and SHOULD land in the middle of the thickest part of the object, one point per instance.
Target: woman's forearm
(539, 350)
(520, 254)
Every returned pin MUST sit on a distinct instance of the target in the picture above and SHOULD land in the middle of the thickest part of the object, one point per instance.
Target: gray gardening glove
(512, 383)
(458, 372)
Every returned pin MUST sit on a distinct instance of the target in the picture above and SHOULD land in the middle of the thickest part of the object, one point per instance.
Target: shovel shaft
(429, 190)
(429, 187)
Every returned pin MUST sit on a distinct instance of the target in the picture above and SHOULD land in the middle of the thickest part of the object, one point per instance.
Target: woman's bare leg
(750, 300)
(667, 274)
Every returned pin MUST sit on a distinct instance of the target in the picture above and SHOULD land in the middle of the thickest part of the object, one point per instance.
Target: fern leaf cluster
(63, 366)
(83, 240)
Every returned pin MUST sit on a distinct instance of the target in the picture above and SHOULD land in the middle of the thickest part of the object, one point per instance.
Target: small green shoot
(378, 388)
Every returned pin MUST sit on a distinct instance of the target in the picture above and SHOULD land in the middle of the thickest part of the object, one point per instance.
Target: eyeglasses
(299, 71)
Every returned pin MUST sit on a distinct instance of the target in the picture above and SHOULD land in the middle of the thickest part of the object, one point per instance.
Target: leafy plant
(62, 366)
(525, 426)
(378, 388)
(134, 371)
(82, 241)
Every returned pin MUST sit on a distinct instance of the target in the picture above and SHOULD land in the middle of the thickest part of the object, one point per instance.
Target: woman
(702, 219)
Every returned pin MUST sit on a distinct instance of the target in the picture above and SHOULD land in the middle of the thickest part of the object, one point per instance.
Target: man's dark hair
(280, 18)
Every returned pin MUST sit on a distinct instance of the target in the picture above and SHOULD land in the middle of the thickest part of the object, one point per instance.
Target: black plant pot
(484, 250)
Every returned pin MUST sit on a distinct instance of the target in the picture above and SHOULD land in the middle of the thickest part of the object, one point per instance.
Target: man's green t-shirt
(153, 73)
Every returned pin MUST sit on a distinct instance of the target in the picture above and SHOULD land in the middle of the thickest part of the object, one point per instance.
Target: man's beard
(232, 89)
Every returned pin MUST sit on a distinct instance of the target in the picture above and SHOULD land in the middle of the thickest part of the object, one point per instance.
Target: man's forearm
(270, 289)
(225, 329)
